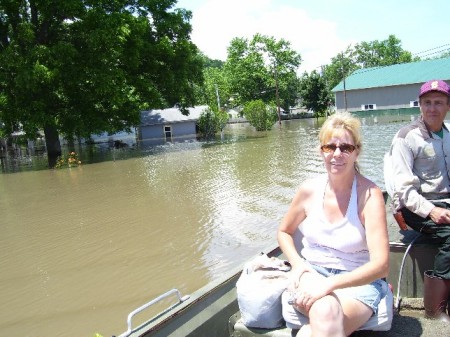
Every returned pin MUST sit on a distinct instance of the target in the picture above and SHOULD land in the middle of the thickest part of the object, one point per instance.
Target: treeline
(81, 67)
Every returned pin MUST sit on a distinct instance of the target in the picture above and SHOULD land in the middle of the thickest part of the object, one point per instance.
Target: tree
(207, 125)
(260, 115)
(263, 69)
(210, 63)
(340, 67)
(215, 89)
(443, 55)
(211, 122)
(365, 55)
(314, 94)
(382, 53)
(215, 93)
(80, 67)
(222, 119)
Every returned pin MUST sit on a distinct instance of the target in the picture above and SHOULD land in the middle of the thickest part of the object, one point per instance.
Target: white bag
(259, 290)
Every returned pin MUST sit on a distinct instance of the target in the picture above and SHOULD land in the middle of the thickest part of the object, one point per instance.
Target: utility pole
(322, 74)
(277, 95)
(345, 96)
(344, 75)
(217, 95)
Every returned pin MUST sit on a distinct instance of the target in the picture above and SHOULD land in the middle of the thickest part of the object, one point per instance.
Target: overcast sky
(319, 29)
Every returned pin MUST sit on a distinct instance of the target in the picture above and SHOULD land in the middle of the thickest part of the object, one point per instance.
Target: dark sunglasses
(344, 148)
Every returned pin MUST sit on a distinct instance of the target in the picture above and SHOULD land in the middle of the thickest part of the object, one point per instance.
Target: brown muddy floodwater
(83, 247)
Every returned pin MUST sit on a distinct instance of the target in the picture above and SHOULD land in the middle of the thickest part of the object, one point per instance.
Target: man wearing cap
(420, 156)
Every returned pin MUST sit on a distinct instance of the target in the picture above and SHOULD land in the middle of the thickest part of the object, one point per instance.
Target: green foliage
(215, 87)
(222, 118)
(262, 68)
(210, 63)
(366, 55)
(78, 68)
(314, 93)
(381, 53)
(442, 55)
(341, 66)
(211, 122)
(260, 115)
(81, 69)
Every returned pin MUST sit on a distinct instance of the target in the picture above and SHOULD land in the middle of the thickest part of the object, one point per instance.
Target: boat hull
(213, 309)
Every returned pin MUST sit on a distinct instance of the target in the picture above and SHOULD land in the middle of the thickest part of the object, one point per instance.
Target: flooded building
(391, 87)
(168, 125)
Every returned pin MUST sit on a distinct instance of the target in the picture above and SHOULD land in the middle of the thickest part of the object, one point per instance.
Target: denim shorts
(369, 294)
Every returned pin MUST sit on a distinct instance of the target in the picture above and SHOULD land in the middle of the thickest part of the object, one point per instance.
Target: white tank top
(340, 245)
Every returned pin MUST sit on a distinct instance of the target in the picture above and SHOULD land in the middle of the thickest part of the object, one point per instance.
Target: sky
(320, 29)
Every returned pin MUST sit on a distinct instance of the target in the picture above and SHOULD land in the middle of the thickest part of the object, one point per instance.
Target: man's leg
(439, 234)
(436, 281)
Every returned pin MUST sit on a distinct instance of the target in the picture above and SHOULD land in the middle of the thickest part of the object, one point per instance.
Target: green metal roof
(397, 74)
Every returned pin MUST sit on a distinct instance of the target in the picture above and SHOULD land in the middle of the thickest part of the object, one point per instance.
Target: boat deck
(213, 310)
(411, 324)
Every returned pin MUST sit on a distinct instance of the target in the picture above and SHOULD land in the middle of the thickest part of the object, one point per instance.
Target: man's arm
(406, 183)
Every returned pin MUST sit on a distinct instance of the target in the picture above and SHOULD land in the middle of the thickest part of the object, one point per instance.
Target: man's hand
(440, 215)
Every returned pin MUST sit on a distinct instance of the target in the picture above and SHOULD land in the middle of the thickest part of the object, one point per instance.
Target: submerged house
(390, 87)
(168, 125)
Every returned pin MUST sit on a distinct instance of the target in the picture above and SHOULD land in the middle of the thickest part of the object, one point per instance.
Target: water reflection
(83, 247)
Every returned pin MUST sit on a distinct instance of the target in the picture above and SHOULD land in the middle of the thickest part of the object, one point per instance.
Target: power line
(439, 52)
(435, 52)
(427, 53)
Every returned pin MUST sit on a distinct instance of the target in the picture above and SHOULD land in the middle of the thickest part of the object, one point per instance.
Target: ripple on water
(91, 244)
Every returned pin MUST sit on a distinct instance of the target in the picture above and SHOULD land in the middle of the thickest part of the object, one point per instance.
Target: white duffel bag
(259, 289)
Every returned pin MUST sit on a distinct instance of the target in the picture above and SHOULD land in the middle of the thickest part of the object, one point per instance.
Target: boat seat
(381, 322)
(240, 330)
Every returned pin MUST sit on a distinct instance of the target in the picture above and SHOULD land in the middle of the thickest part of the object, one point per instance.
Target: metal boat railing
(150, 303)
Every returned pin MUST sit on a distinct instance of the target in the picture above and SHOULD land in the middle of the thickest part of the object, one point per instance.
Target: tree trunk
(71, 144)
(53, 144)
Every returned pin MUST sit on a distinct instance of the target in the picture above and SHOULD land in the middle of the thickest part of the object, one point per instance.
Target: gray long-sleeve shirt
(420, 167)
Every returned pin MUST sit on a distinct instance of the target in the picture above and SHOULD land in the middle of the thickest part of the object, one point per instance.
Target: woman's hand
(311, 287)
(296, 274)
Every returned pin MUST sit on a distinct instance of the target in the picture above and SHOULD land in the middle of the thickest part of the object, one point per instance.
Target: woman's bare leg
(356, 314)
(326, 318)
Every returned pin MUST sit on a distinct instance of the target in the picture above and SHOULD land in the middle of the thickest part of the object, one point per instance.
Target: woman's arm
(289, 225)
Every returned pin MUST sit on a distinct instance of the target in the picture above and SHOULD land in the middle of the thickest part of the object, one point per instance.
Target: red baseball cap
(435, 85)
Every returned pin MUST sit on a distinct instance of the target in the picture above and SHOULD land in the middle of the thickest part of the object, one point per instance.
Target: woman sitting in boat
(337, 281)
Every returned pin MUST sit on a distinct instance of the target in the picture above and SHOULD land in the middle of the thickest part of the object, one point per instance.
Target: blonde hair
(336, 124)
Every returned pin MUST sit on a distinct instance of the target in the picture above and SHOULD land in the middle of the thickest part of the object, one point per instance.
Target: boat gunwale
(157, 323)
